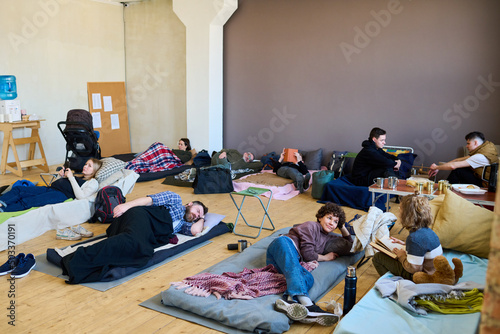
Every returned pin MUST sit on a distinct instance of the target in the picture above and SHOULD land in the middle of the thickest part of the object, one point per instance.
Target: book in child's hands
(290, 155)
(385, 245)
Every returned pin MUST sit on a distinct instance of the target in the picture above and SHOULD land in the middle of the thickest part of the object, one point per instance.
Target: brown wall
(322, 73)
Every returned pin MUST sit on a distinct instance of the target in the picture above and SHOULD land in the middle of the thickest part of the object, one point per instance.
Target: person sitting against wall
(469, 169)
(297, 172)
(185, 152)
(372, 161)
(233, 159)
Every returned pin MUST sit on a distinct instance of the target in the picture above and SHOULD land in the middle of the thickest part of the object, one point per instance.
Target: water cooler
(10, 107)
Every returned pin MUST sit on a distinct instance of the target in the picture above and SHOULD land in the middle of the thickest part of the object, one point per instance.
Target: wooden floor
(46, 304)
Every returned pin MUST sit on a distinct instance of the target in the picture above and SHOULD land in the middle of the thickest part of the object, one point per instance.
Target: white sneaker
(67, 234)
(79, 229)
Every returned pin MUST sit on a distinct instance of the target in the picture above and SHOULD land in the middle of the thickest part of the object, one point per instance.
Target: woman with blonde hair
(422, 244)
(64, 187)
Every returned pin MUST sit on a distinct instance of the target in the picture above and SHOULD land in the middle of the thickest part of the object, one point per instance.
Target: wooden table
(10, 142)
(487, 198)
(402, 189)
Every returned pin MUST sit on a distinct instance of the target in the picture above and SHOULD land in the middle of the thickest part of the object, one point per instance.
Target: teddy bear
(443, 274)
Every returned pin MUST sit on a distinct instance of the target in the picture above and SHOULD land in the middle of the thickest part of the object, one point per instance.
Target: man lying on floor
(140, 226)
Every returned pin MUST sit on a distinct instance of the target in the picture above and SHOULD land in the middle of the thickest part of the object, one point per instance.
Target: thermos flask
(350, 289)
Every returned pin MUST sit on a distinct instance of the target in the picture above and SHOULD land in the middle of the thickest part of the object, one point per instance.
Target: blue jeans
(292, 174)
(23, 198)
(283, 255)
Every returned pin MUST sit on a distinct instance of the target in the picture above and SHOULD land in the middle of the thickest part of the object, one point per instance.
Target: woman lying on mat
(66, 186)
(307, 242)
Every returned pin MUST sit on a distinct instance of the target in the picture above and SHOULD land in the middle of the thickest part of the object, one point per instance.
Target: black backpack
(202, 159)
(107, 199)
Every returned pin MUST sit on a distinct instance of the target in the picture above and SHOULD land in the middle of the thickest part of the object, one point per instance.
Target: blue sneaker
(11, 263)
(24, 267)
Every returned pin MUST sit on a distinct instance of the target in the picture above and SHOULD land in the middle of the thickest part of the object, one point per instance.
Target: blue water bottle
(350, 289)
(8, 87)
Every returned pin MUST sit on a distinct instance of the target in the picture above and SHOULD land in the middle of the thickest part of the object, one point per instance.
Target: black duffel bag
(213, 180)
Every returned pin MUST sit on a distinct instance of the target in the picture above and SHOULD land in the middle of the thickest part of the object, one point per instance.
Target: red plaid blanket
(248, 284)
(156, 158)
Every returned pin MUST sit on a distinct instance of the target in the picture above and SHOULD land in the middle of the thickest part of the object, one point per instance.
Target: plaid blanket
(248, 284)
(156, 158)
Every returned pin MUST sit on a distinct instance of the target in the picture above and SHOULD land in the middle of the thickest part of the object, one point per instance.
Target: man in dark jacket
(372, 161)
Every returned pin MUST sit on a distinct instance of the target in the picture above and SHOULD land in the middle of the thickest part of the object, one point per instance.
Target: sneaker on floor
(11, 264)
(79, 229)
(24, 267)
(318, 315)
(293, 310)
(323, 320)
(67, 234)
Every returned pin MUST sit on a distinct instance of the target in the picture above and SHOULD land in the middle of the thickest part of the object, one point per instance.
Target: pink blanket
(281, 193)
(248, 284)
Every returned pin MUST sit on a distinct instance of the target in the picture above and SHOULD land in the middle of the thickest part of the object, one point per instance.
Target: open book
(290, 155)
(385, 245)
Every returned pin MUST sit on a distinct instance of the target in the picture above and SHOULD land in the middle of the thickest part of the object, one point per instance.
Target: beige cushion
(435, 205)
(108, 168)
(463, 226)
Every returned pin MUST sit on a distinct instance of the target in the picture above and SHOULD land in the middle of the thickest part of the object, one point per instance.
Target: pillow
(108, 168)
(435, 205)
(463, 226)
(407, 160)
(312, 159)
(211, 219)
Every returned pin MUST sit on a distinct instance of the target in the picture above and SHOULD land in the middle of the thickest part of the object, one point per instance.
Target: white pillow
(211, 219)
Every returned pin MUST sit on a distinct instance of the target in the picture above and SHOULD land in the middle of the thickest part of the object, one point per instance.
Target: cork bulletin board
(108, 106)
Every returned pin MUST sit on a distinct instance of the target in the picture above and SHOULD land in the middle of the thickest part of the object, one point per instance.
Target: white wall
(54, 47)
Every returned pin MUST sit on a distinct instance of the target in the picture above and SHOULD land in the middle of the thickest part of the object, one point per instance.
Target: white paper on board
(108, 104)
(96, 120)
(115, 122)
(96, 101)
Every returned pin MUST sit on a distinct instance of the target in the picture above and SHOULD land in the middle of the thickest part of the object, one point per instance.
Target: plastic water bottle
(8, 87)
(350, 289)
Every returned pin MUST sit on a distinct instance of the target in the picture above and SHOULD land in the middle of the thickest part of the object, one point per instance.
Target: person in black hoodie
(372, 161)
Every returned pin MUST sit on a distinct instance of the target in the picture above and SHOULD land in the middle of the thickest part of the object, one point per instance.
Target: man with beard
(139, 227)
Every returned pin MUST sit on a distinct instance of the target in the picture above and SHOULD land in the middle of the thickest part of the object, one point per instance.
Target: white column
(204, 21)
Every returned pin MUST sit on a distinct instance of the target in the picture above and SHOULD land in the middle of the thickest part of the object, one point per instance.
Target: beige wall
(54, 47)
(156, 73)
